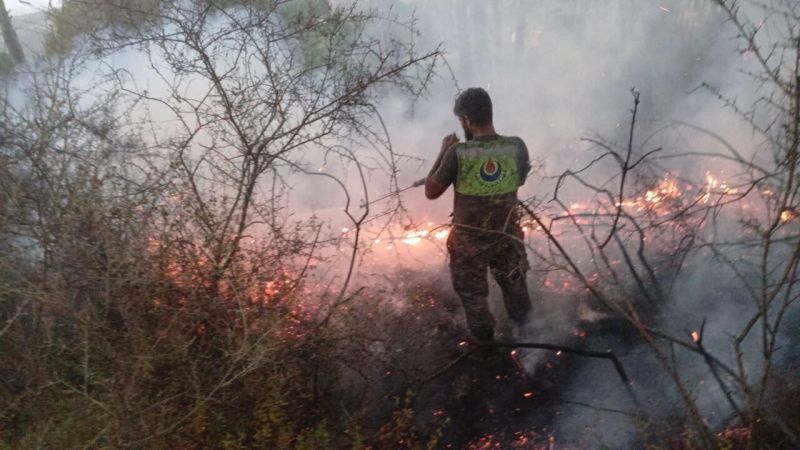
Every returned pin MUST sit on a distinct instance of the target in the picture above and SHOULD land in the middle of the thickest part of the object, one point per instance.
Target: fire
(666, 189)
(715, 186)
(787, 215)
(187, 268)
(528, 440)
(390, 239)
(415, 237)
(577, 206)
(663, 197)
(441, 234)
(695, 336)
(660, 199)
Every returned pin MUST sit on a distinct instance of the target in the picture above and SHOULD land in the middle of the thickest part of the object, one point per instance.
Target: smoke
(557, 70)
(560, 70)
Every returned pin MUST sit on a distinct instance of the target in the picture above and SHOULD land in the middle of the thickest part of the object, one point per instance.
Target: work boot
(522, 330)
(522, 333)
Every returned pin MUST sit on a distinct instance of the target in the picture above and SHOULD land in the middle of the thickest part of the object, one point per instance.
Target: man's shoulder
(480, 146)
(514, 140)
(491, 141)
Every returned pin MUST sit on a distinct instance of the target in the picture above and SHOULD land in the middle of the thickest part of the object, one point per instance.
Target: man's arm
(434, 189)
(524, 161)
(444, 169)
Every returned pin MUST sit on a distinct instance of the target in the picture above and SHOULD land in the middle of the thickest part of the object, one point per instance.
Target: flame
(715, 186)
(695, 336)
(786, 215)
(411, 237)
(415, 237)
(666, 189)
(663, 198)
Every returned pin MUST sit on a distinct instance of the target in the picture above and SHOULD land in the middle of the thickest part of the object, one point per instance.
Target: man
(485, 171)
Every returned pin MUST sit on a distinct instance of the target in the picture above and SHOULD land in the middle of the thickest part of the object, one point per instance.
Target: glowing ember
(528, 395)
(695, 336)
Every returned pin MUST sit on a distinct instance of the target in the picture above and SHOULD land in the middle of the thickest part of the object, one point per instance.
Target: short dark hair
(474, 104)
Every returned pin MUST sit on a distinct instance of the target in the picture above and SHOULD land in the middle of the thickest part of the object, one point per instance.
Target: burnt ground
(489, 399)
(494, 399)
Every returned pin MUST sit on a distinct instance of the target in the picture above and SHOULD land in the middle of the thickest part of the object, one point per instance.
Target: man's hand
(433, 189)
(448, 141)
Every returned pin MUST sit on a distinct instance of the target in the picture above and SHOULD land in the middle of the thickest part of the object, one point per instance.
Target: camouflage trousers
(471, 253)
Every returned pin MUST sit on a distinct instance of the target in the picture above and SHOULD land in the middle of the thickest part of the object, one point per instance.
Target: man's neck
(488, 130)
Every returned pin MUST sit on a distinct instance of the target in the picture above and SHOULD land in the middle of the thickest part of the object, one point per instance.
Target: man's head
(474, 110)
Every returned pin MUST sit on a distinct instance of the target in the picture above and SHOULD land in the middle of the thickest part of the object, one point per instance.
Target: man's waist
(507, 222)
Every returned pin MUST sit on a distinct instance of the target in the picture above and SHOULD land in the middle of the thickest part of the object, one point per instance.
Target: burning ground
(188, 259)
(537, 398)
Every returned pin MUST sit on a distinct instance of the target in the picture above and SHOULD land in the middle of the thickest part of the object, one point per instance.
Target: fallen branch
(608, 354)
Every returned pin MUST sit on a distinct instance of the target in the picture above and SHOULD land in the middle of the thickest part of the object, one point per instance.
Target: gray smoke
(558, 70)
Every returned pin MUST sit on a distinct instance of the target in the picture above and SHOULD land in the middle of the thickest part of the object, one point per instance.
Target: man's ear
(466, 124)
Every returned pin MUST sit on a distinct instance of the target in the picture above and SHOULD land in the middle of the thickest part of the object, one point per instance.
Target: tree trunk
(10, 36)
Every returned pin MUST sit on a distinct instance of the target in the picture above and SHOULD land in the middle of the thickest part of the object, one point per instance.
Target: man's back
(486, 173)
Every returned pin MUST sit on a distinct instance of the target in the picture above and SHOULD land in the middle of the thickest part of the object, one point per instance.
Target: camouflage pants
(470, 255)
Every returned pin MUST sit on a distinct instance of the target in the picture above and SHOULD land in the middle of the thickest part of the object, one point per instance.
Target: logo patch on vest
(491, 171)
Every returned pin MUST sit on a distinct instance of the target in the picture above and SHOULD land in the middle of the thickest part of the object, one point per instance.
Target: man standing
(485, 171)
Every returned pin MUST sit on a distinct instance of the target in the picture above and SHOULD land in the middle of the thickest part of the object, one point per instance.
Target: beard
(468, 134)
